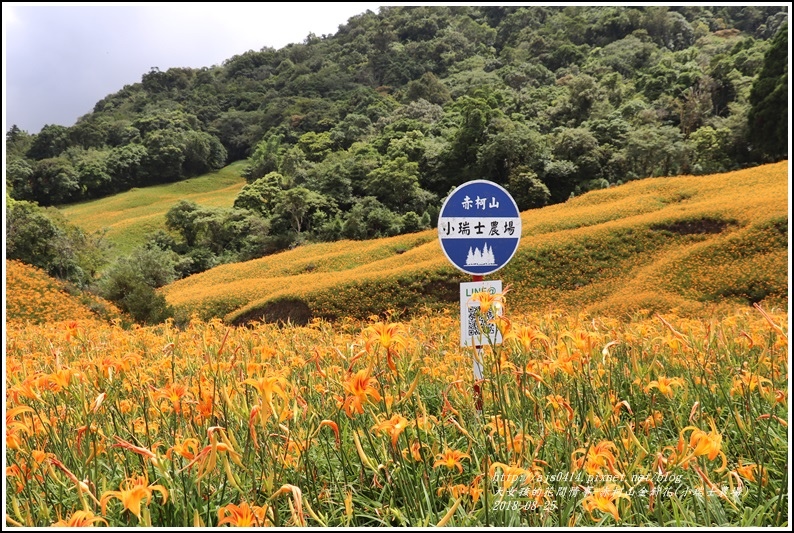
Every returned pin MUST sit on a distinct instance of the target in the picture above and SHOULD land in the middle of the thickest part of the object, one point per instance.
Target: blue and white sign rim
(479, 227)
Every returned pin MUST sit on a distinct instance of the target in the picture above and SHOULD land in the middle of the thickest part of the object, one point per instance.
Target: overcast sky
(59, 59)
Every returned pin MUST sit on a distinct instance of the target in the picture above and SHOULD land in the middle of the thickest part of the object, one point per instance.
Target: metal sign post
(479, 228)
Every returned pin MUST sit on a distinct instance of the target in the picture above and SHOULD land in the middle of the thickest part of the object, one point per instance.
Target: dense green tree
(395, 184)
(316, 146)
(19, 177)
(130, 283)
(92, 173)
(165, 153)
(354, 127)
(331, 178)
(50, 142)
(31, 236)
(43, 238)
(528, 191)
(203, 153)
(626, 56)
(87, 134)
(653, 151)
(709, 148)
(560, 178)
(18, 141)
(580, 147)
(182, 219)
(428, 88)
(124, 165)
(508, 145)
(260, 196)
(769, 113)
(411, 222)
(475, 114)
(265, 159)
(369, 218)
(237, 131)
(297, 205)
(55, 181)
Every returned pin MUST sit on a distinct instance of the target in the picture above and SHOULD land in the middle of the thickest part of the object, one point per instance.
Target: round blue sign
(479, 227)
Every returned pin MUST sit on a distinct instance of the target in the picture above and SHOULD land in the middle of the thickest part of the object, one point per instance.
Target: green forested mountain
(361, 134)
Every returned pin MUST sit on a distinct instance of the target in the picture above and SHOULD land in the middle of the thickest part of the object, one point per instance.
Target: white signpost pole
(479, 228)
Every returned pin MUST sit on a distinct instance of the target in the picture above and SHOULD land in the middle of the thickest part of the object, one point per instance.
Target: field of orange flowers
(658, 420)
(33, 296)
(684, 242)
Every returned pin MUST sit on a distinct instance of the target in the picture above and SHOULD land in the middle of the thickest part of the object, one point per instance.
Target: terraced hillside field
(680, 243)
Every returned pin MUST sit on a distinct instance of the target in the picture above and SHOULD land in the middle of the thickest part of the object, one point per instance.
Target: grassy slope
(131, 215)
(684, 242)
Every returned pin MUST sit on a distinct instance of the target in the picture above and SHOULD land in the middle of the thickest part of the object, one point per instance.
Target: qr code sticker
(479, 324)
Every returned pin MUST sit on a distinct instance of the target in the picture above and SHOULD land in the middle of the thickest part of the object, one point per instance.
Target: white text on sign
(479, 203)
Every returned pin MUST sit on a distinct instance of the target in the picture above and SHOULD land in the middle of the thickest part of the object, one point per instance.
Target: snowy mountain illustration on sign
(477, 258)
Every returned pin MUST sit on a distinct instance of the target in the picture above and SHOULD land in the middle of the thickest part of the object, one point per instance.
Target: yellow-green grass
(130, 216)
(681, 243)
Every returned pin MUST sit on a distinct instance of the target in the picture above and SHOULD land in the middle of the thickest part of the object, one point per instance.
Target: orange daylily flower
(387, 336)
(500, 426)
(476, 489)
(451, 459)
(205, 406)
(487, 300)
(80, 519)
(243, 515)
(98, 402)
(21, 476)
(510, 474)
(594, 458)
(187, 448)
(455, 490)
(705, 444)
(132, 492)
(558, 402)
(268, 386)
(208, 457)
(604, 499)
(503, 324)
(145, 452)
(359, 387)
(14, 427)
(749, 471)
(415, 451)
(519, 443)
(748, 381)
(653, 421)
(28, 388)
(173, 392)
(665, 385)
(525, 336)
(60, 379)
(394, 426)
(296, 509)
